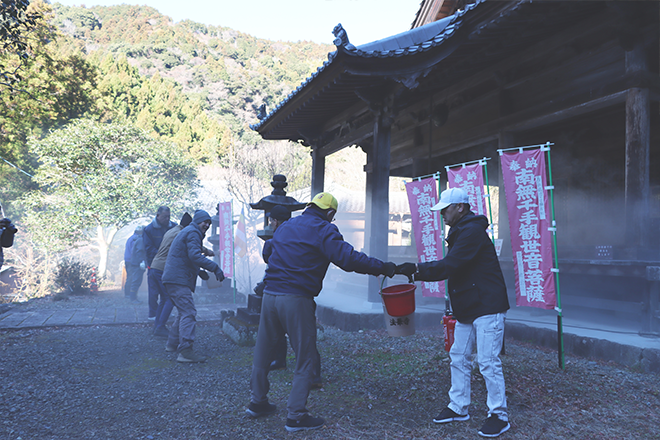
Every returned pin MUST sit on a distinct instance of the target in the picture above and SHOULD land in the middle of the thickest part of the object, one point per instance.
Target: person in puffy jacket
(298, 257)
(479, 301)
(182, 265)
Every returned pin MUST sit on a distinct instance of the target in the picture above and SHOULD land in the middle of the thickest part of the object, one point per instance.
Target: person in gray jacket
(179, 278)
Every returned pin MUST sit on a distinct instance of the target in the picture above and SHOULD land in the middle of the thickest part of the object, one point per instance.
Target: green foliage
(17, 21)
(102, 175)
(73, 276)
(59, 84)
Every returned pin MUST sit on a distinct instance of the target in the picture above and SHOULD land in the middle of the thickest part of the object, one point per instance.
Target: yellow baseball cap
(324, 201)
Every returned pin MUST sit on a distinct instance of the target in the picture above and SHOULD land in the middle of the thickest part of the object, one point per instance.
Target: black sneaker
(447, 415)
(255, 410)
(306, 423)
(494, 426)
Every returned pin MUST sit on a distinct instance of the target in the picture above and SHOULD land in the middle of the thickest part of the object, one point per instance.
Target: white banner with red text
(226, 239)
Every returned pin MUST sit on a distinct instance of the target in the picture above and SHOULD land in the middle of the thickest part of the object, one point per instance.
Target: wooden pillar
(378, 206)
(638, 130)
(318, 172)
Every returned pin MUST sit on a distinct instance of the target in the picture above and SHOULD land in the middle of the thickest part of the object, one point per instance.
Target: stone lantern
(242, 329)
(277, 197)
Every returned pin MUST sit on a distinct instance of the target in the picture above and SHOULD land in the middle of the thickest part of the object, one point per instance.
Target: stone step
(247, 316)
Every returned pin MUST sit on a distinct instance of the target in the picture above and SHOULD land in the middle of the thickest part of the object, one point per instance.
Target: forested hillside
(196, 85)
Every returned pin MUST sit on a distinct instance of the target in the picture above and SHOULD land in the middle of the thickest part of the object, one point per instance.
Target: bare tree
(251, 169)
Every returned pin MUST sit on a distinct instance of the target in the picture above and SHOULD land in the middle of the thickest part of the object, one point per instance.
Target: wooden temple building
(473, 77)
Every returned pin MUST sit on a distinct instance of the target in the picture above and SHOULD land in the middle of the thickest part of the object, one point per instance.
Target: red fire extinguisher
(448, 325)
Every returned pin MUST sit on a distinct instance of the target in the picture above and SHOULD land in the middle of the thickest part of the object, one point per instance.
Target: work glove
(143, 265)
(259, 288)
(407, 269)
(390, 269)
(203, 274)
(219, 275)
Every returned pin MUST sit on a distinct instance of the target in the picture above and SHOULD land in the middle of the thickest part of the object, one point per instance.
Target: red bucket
(399, 300)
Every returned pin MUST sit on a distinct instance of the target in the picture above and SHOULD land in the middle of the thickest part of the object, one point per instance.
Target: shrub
(73, 276)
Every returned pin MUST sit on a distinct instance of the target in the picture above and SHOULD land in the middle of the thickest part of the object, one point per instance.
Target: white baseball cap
(451, 196)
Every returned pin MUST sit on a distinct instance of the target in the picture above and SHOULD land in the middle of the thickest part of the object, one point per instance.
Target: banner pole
(490, 209)
(436, 176)
(233, 249)
(560, 330)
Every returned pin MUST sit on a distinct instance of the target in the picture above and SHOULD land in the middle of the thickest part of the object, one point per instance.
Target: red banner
(471, 179)
(529, 219)
(225, 229)
(422, 195)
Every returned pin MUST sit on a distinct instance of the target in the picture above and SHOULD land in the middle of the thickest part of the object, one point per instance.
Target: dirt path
(119, 383)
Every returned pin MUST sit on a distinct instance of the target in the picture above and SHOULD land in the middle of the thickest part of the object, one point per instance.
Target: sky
(288, 20)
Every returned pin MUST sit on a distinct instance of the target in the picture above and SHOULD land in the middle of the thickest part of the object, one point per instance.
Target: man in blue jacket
(153, 237)
(179, 278)
(479, 301)
(300, 252)
(134, 262)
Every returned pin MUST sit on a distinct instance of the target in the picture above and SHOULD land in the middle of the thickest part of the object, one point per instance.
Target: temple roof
(436, 54)
(348, 61)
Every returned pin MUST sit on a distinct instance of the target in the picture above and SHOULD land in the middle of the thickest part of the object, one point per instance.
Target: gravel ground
(117, 382)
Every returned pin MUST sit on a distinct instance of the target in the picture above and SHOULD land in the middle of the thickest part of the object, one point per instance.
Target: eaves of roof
(349, 68)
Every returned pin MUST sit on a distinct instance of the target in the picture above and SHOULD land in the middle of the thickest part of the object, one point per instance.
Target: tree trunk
(104, 240)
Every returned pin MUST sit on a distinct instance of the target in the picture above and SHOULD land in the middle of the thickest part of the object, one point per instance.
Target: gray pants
(295, 316)
(182, 333)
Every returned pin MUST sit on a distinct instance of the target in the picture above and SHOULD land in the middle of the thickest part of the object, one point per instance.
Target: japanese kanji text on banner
(471, 179)
(422, 195)
(226, 239)
(524, 174)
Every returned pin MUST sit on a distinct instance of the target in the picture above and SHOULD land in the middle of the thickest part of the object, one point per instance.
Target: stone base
(245, 335)
(242, 333)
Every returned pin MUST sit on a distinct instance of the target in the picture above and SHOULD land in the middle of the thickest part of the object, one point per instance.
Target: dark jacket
(137, 252)
(7, 231)
(301, 250)
(128, 248)
(153, 235)
(185, 258)
(475, 281)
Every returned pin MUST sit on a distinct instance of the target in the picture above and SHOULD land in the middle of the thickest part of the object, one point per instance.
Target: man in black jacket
(479, 301)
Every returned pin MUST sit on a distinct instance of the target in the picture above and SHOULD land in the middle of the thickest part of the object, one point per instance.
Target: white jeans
(488, 332)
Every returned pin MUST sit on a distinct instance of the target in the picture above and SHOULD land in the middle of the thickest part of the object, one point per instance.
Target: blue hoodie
(301, 250)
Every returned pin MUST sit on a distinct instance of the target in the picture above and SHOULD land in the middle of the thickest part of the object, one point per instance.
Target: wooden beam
(354, 137)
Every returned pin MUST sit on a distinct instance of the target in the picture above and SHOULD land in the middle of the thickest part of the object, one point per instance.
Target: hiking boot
(170, 348)
(494, 426)
(161, 332)
(255, 410)
(447, 415)
(316, 386)
(189, 356)
(305, 424)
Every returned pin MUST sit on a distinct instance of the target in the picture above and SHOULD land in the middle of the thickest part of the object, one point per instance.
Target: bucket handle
(382, 283)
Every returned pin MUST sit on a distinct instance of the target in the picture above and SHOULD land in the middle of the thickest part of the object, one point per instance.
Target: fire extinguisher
(448, 325)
